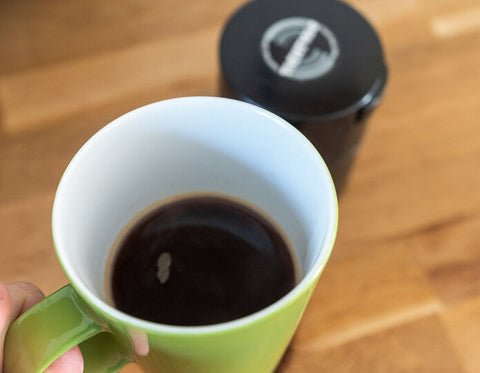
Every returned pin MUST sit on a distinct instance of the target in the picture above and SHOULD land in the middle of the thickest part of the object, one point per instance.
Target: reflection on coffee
(200, 261)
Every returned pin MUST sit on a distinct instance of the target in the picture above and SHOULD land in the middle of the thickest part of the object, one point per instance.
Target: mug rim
(103, 308)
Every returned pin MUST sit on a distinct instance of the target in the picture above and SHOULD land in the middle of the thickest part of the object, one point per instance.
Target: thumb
(5, 307)
(16, 298)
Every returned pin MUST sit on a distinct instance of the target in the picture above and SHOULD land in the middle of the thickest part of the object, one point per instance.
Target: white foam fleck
(164, 262)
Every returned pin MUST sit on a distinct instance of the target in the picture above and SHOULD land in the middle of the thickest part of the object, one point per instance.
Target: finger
(70, 362)
(19, 297)
(15, 299)
(23, 296)
(5, 307)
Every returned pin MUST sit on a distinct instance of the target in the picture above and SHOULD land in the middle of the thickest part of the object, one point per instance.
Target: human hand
(15, 299)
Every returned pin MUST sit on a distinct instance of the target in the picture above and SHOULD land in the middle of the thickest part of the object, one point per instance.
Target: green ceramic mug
(166, 149)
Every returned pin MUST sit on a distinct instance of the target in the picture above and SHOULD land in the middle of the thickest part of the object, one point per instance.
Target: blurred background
(402, 290)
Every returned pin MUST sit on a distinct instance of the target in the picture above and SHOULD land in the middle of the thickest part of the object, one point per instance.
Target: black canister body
(337, 141)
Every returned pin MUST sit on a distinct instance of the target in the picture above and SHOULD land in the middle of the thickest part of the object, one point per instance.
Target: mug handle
(59, 322)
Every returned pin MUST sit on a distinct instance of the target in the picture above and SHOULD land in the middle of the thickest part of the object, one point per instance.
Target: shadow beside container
(316, 63)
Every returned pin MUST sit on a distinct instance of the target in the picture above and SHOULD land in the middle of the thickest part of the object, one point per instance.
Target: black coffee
(200, 261)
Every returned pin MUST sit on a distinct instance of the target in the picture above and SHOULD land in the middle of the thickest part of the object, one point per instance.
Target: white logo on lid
(292, 48)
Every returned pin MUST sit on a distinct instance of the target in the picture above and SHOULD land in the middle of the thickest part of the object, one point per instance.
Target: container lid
(305, 60)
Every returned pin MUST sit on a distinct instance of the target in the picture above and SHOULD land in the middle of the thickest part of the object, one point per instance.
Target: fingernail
(139, 341)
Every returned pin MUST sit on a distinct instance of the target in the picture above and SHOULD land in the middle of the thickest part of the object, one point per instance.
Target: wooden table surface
(401, 292)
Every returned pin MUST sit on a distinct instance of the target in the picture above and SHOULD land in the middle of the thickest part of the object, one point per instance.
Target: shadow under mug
(159, 151)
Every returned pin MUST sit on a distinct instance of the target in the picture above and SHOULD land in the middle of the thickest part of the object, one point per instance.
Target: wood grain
(84, 84)
(402, 290)
(463, 324)
(364, 293)
(418, 346)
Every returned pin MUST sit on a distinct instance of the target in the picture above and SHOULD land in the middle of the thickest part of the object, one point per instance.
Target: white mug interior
(183, 146)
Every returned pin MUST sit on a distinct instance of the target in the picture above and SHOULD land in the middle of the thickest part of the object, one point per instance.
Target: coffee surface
(200, 261)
